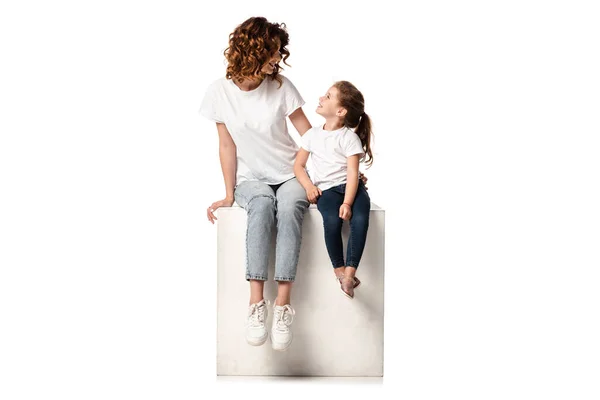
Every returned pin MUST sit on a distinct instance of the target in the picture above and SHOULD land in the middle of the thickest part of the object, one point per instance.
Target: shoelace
(283, 318)
(256, 314)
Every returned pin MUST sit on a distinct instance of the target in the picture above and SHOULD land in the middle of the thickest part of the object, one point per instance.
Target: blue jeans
(329, 205)
(266, 204)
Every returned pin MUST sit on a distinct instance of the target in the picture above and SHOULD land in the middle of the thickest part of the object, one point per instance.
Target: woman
(250, 105)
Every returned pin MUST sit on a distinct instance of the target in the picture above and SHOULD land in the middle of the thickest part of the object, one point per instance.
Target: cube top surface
(235, 206)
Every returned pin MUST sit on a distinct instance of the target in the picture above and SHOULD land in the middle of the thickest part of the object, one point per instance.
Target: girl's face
(269, 67)
(329, 105)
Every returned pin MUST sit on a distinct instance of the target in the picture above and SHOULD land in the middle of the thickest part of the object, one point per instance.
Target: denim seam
(262, 195)
(300, 210)
(255, 277)
(285, 279)
(349, 246)
(248, 276)
(247, 258)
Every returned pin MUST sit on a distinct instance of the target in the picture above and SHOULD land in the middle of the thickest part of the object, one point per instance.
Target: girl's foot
(356, 280)
(347, 286)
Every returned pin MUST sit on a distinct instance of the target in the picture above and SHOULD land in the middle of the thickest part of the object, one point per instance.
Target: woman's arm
(312, 192)
(300, 121)
(227, 155)
(299, 169)
(351, 187)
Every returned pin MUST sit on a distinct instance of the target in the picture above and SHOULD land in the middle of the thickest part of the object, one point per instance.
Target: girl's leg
(339, 272)
(359, 225)
(329, 206)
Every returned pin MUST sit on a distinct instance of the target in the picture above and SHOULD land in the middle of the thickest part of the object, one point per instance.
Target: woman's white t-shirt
(256, 120)
(329, 152)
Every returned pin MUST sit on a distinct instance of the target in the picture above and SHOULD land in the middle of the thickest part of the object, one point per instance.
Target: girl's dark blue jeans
(329, 206)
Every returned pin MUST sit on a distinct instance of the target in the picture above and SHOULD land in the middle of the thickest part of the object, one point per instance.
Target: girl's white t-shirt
(256, 120)
(329, 151)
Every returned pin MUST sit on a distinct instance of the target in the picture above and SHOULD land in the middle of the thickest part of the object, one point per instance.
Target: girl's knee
(332, 220)
(360, 219)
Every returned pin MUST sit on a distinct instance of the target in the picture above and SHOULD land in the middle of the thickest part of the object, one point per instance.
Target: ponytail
(364, 132)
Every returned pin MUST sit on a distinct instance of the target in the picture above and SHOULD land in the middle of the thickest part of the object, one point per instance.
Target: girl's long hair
(353, 101)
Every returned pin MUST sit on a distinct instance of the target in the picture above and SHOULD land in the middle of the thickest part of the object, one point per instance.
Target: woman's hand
(345, 212)
(226, 202)
(313, 193)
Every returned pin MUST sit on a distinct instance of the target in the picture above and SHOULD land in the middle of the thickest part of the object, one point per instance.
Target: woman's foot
(281, 334)
(256, 332)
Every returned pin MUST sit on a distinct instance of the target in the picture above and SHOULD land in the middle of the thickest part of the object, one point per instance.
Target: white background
(486, 160)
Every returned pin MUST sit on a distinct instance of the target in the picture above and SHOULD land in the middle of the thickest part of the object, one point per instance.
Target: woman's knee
(292, 208)
(261, 205)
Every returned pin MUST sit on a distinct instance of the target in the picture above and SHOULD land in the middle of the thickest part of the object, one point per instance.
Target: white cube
(333, 335)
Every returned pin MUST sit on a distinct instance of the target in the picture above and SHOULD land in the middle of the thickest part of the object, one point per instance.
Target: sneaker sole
(258, 342)
(280, 349)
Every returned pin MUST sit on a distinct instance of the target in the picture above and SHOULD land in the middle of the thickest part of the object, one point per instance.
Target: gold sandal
(348, 290)
(356, 280)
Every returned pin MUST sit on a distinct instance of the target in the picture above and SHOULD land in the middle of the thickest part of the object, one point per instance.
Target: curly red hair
(251, 45)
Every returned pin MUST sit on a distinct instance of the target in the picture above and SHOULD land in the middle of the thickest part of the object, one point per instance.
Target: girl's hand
(221, 203)
(345, 212)
(313, 193)
(363, 178)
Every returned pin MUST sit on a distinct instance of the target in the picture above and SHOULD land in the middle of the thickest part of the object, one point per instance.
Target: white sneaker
(256, 332)
(281, 335)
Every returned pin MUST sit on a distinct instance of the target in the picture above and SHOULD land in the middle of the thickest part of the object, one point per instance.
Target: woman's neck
(247, 84)
(333, 124)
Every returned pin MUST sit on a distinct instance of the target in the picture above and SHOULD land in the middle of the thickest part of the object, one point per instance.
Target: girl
(337, 148)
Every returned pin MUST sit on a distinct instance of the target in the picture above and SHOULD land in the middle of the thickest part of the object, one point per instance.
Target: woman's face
(269, 67)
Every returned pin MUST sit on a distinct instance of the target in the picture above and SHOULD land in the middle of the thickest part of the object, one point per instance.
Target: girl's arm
(300, 121)
(227, 155)
(312, 192)
(351, 187)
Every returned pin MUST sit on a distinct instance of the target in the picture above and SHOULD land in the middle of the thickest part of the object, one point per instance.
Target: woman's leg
(258, 199)
(291, 205)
